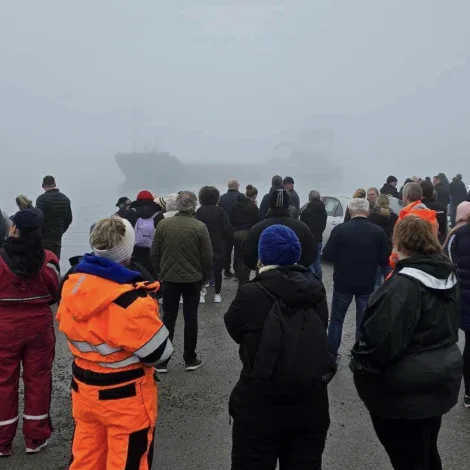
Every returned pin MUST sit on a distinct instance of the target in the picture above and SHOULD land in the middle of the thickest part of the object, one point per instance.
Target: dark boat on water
(168, 172)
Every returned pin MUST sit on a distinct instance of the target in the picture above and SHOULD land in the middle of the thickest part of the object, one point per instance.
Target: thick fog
(227, 80)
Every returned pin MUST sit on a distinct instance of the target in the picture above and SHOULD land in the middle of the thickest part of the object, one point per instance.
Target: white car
(336, 205)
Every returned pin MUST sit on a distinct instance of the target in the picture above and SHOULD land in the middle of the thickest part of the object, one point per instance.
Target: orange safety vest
(111, 327)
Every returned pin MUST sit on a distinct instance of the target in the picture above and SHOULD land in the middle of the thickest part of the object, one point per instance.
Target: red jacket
(25, 301)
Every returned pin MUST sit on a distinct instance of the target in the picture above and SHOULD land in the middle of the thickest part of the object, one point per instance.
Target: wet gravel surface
(193, 430)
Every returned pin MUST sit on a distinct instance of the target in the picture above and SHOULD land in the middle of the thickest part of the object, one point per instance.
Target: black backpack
(293, 353)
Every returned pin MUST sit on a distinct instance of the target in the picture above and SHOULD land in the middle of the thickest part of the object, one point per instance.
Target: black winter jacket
(57, 214)
(227, 201)
(458, 192)
(442, 194)
(220, 229)
(144, 210)
(264, 207)
(356, 248)
(314, 216)
(387, 221)
(407, 364)
(390, 190)
(245, 214)
(441, 216)
(245, 319)
(282, 217)
(458, 250)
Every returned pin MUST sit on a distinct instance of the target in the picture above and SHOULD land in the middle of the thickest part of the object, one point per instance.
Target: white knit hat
(122, 252)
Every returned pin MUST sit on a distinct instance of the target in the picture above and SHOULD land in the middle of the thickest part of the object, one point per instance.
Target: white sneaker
(217, 299)
(202, 299)
(36, 449)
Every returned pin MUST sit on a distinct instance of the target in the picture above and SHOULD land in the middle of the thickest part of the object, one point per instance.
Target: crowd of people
(408, 272)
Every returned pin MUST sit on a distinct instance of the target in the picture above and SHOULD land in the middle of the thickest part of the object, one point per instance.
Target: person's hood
(95, 284)
(146, 209)
(242, 201)
(388, 187)
(275, 188)
(295, 285)
(278, 212)
(316, 206)
(435, 272)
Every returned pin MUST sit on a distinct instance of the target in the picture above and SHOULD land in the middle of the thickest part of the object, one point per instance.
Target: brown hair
(415, 236)
(359, 194)
(383, 205)
(107, 233)
(251, 191)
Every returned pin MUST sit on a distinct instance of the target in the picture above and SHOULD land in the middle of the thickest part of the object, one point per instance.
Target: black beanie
(279, 198)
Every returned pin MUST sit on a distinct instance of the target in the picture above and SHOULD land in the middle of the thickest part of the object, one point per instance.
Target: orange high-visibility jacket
(110, 326)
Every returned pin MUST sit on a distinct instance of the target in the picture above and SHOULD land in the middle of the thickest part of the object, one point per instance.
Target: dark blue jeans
(316, 266)
(339, 308)
(382, 273)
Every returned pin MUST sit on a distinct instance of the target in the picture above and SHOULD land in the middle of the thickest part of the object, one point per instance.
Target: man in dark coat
(390, 187)
(441, 212)
(125, 211)
(356, 249)
(288, 184)
(458, 193)
(57, 215)
(442, 190)
(279, 214)
(315, 217)
(226, 202)
(276, 183)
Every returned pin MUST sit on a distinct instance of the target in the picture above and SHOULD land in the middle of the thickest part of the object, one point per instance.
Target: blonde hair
(23, 202)
(383, 204)
(107, 233)
(359, 194)
(416, 236)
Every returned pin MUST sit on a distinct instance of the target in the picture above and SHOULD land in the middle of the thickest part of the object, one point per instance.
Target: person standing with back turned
(57, 215)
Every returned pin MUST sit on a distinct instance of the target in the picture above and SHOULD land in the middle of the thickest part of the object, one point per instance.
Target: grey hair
(232, 184)
(171, 202)
(314, 195)
(186, 202)
(413, 192)
(359, 206)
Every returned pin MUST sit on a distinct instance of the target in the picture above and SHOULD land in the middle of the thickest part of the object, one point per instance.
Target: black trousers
(241, 270)
(218, 281)
(410, 444)
(466, 363)
(294, 435)
(172, 291)
(228, 254)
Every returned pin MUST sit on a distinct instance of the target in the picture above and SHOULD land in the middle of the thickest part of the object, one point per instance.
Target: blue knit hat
(279, 245)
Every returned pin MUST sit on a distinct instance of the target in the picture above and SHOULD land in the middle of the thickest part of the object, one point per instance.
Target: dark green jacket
(182, 249)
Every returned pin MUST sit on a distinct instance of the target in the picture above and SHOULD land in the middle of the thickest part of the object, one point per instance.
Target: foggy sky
(230, 79)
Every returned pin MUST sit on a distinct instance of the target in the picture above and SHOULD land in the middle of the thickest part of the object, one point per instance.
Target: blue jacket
(227, 201)
(458, 250)
(356, 248)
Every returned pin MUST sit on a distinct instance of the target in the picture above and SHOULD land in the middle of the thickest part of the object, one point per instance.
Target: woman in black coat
(220, 229)
(407, 366)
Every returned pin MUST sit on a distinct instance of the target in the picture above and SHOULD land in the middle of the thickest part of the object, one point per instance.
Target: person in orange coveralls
(116, 337)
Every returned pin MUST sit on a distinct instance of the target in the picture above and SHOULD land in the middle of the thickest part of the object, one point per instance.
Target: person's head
(360, 193)
(382, 204)
(145, 196)
(313, 195)
(23, 202)
(23, 223)
(428, 189)
(278, 246)
(415, 236)
(359, 207)
(251, 192)
(113, 238)
(372, 195)
(412, 192)
(415, 179)
(279, 199)
(288, 183)
(233, 185)
(463, 213)
(276, 181)
(160, 202)
(186, 202)
(428, 179)
(171, 202)
(123, 203)
(209, 196)
(436, 180)
(458, 177)
(48, 183)
(392, 181)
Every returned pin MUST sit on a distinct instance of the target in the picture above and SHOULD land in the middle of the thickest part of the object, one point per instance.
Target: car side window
(331, 204)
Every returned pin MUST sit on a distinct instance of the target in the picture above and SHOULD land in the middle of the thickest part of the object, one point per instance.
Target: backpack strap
(267, 292)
